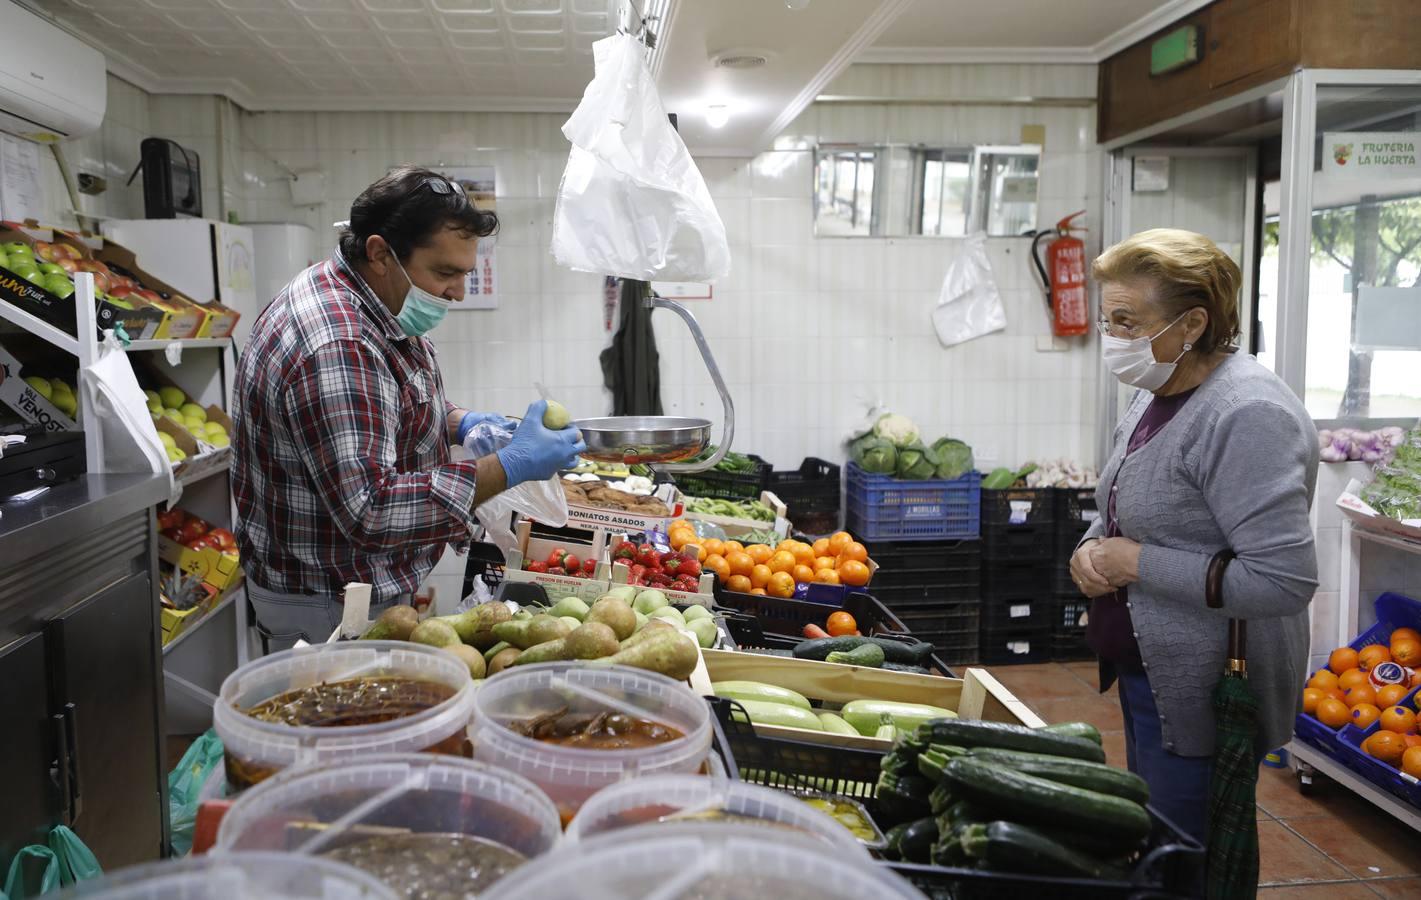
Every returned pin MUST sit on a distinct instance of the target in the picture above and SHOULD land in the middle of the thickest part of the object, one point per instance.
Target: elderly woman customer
(1213, 453)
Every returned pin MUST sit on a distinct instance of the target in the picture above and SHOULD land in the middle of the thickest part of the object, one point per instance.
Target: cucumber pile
(1006, 797)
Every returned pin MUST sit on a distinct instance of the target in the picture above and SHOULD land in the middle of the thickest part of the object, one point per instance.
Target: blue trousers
(1179, 785)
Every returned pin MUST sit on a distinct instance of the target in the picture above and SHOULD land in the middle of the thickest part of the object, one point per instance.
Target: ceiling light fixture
(796, 4)
(717, 115)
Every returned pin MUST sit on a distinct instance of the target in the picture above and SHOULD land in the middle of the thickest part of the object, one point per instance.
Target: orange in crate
(1323, 679)
(1333, 713)
(1399, 719)
(1311, 698)
(1364, 714)
(1342, 659)
(1411, 761)
(1391, 695)
(1362, 693)
(1406, 652)
(1387, 746)
(1351, 678)
(1373, 655)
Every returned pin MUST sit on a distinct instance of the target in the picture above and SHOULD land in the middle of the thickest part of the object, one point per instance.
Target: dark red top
(1109, 630)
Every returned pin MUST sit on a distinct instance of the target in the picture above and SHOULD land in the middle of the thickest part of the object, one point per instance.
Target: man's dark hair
(407, 208)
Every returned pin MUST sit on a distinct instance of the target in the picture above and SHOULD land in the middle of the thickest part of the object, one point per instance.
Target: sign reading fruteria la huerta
(1362, 153)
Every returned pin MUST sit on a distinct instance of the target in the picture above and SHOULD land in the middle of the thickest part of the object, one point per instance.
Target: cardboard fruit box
(29, 403)
(219, 570)
(202, 457)
(181, 318)
(976, 695)
(559, 586)
(60, 311)
(734, 527)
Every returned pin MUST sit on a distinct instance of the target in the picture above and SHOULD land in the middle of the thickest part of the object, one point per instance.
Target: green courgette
(935, 759)
(916, 843)
(1036, 801)
(834, 724)
(972, 733)
(781, 715)
(870, 656)
(942, 798)
(754, 690)
(902, 799)
(909, 652)
(1074, 729)
(1018, 848)
(905, 668)
(887, 731)
(867, 715)
(893, 839)
(1076, 772)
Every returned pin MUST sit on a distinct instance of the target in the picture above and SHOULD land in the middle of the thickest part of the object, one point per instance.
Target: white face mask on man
(1133, 361)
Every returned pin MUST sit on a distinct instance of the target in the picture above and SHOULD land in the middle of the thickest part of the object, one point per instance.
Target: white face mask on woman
(1133, 362)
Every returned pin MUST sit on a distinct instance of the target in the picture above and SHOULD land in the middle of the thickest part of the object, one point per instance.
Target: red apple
(45, 251)
(119, 291)
(150, 296)
(68, 264)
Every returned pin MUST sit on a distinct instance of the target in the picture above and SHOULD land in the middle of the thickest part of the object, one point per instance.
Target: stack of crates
(933, 587)
(1075, 511)
(1018, 549)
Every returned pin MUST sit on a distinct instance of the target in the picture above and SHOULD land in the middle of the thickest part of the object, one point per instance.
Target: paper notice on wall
(1364, 153)
(481, 285)
(21, 189)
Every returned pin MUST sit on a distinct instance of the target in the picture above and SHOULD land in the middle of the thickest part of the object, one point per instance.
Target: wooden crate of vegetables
(846, 705)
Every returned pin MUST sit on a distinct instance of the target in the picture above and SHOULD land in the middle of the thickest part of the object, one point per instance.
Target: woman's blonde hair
(1183, 270)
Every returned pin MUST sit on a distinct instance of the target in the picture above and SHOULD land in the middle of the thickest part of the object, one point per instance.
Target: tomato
(691, 568)
(555, 558)
(225, 539)
(589, 566)
(841, 624)
(625, 550)
(537, 566)
(170, 518)
(571, 563)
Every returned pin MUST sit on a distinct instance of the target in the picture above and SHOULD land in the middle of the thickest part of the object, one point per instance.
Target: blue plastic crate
(880, 508)
(1345, 744)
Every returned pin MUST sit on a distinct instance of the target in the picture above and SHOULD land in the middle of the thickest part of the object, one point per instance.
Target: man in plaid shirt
(341, 465)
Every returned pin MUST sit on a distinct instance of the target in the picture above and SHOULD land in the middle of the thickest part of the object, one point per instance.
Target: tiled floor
(1329, 845)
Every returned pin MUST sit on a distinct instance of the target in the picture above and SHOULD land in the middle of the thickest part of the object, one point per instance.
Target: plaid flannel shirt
(340, 458)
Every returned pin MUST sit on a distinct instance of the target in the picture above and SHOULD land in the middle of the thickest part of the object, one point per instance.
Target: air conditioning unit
(52, 85)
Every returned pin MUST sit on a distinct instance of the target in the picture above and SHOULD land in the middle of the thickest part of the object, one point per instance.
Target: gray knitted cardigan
(1236, 467)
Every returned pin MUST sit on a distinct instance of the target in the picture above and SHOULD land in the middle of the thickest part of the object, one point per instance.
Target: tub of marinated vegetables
(691, 798)
(340, 701)
(223, 876)
(573, 729)
(704, 861)
(425, 824)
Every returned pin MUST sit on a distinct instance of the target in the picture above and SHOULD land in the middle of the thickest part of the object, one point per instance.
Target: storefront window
(1364, 288)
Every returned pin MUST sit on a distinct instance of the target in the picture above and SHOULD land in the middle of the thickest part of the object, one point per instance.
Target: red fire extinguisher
(1063, 278)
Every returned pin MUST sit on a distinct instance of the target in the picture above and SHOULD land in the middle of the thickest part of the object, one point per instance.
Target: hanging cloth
(631, 367)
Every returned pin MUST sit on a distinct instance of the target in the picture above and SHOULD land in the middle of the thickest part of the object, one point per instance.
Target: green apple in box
(173, 398)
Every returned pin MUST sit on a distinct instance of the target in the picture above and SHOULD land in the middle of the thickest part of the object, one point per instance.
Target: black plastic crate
(1076, 506)
(914, 596)
(1067, 648)
(953, 648)
(813, 488)
(1005, 612)
(1069, 615)
(1013, 646)
(786, 616)
(814, 524)
(484, 563)
(1023, 542)
(1018, 506)
(1011, 575)
(926, 562)
(718, 485)
(1168, 868)
(1061, 581)
(946, 618)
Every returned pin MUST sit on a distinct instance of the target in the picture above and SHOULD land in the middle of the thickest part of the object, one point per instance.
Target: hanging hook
(637, 25)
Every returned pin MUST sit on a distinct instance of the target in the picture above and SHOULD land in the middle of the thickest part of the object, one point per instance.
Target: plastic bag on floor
(38, 869)
(968, 306)
(76, 861)
(185, 788)
(632, 202)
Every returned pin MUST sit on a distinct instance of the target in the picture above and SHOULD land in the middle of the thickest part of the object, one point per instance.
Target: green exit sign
(1175, 50)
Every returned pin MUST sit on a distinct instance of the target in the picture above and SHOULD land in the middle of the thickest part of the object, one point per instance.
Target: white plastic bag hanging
(632, 202)
(968, 305)
(543, 501)
(116, 414)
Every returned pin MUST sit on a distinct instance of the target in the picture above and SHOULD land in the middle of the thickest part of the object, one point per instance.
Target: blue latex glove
(471, 419)
(537, 453)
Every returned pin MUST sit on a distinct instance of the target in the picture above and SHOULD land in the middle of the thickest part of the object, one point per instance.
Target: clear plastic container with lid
(341, 701)
(683, 797)
(235, 876)
(571, 774)
(452, 824)
(704, 861)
